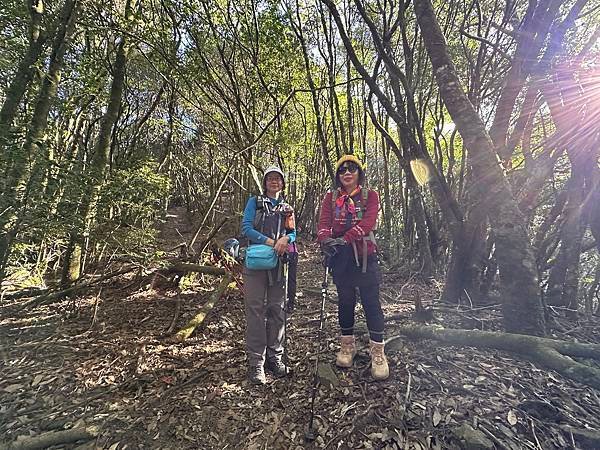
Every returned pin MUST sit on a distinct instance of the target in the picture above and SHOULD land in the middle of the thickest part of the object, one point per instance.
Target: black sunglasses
(352, 168)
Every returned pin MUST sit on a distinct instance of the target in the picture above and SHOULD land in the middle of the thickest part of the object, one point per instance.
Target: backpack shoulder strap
(364, 196)
(260, 202)
(263, 203)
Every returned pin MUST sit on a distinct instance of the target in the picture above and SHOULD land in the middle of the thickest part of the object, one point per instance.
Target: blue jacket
(253, 235)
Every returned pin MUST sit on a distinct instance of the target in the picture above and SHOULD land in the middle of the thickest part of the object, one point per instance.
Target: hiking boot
(256, 375)
(379, 365)
(347, 352)
(277, 368)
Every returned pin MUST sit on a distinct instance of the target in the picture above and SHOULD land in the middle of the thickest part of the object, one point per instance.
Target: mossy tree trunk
(24, 74)
(72, 264)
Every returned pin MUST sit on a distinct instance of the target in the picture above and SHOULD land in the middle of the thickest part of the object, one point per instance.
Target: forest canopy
(114, 112)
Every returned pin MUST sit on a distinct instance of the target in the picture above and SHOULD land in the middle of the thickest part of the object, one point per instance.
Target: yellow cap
(350, 158)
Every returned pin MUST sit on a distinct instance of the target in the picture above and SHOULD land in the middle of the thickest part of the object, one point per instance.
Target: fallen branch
(95, 315)
(24, 293)
(549, 353)
(186, 332)
(59, 295)
(51, 438)
(189, 267)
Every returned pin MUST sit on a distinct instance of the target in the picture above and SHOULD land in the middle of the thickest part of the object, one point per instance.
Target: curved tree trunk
(563, 282)
(522, 307)
(24, 74)
(538, 19)
(550, 353)
(462, 268)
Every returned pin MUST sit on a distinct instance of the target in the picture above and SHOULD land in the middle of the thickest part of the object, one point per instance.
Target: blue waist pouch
(261, 257)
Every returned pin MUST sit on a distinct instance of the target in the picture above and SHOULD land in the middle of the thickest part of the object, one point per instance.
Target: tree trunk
(522, 308)
(417, 209)
(461, 273)
(24, 74)
(54, 438)
(100, 160)
(14, 193)
(538, 19)
(595, 213)
(334, 106)
(387, 200)
(563, 282)
(313, 92)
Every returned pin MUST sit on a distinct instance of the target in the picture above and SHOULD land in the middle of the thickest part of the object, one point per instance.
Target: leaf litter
(141, 391)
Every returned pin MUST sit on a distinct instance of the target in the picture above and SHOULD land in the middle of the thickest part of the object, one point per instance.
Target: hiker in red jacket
(345, 232)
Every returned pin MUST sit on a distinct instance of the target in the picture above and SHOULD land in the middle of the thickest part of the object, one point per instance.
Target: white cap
(270, 169)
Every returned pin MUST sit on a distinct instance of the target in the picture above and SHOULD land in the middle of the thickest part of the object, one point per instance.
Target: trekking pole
(285, 316)
(310, 432)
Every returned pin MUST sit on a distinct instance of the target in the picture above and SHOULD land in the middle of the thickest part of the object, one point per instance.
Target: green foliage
(134, 196)
(204, 79)
(14, 24)
(129, 243)
(25, 269)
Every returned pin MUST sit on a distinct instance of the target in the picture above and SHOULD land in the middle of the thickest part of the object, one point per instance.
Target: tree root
(51, 438)
(549, 353)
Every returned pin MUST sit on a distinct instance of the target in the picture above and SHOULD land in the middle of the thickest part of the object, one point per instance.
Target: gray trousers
(264, 316)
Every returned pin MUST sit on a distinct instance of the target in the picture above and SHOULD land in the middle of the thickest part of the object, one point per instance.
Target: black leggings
(369, 296)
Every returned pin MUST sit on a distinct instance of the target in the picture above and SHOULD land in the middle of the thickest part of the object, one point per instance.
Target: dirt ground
(129, 386)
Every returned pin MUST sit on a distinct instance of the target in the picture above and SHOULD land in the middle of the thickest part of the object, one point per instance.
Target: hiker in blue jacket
(267, 220)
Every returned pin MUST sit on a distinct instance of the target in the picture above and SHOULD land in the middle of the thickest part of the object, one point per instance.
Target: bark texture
(522, 308)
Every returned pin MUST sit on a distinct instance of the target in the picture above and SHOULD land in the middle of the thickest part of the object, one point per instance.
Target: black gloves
(330, 246)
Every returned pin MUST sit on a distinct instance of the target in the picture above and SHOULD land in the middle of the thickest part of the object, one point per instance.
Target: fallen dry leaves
(140, 391)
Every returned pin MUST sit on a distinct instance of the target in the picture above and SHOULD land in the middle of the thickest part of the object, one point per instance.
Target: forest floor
(128, 385)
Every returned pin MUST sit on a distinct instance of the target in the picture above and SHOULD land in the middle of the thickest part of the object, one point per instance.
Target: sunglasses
(352, 168)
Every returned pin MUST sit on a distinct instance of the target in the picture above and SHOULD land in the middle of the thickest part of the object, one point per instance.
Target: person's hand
(281, 245)
(329, 246)
(333, 242)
